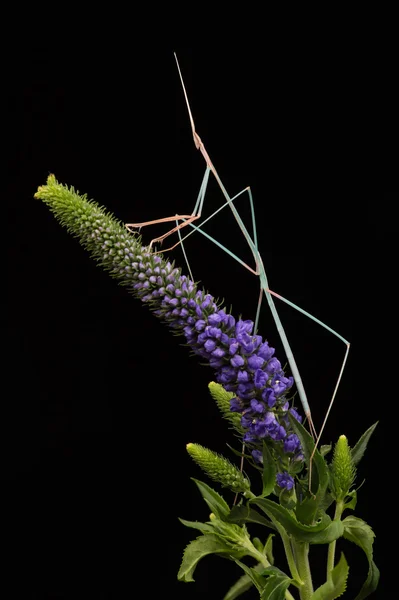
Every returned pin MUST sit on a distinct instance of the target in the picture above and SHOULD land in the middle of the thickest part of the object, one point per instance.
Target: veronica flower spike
(272, 485)
(251, 385)
(259, 270)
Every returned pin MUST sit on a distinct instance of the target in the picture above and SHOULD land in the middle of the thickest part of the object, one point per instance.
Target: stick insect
(182, 221)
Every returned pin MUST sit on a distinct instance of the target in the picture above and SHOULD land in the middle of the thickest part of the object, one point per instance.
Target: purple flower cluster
(284, 480)
(243, 362)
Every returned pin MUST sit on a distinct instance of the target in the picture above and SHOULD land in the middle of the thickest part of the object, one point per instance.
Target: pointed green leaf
(253, 574)
(204, 527)
(306, 511)
(326, 502)
(216, 503)
(269, 471)
(275, 587)
(197, 549)
(323, 532)
(258, 544)
(359, 449)
(361, 534)
(352, 502)
(325, 449)
(268, 549)
(241, 585)
(335, 586)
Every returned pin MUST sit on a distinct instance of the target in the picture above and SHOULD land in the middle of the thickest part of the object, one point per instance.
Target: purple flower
(284, 480)
(296, 415)
(235, 405)
(278, 433)
(269, 397)
(291, 443)
(265, 351)
(237, 361)
(257, 456)
(243, 327)
(243, 377)
(257, 407)
(260, 379)
(226, 375)
(246, 420)
(255, 362)
(273, 366)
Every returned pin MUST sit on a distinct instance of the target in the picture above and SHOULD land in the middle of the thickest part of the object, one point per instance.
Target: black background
(102, 398)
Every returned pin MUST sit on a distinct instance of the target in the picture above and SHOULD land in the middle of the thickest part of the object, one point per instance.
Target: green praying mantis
(182, 221)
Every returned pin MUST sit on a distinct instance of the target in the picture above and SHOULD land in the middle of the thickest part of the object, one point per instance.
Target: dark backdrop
(102, 398)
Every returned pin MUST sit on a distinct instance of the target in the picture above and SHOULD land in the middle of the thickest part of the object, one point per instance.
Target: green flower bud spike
(218, 468)
(343, 470)
(222, 399)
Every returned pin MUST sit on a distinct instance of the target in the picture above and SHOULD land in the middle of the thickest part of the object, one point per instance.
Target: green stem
(288, 552)
(302, 561)
(331, 547)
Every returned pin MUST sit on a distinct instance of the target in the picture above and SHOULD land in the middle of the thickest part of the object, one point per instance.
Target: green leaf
(216, 503)
(258, 544)
(197, 549)
(245, 514)
(268, 549)
(359, 449)
(241, 585)
(361, 534)
(335, 585)
(204, 527)
(326, 502)
(352, 502)
(306, 510)
(323, 532)
(269, 471)
(276, 586)
(325, 449)
(287, 499)
(255, 578)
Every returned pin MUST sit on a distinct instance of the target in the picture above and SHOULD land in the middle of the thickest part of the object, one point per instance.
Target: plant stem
(331, 547)
(288, 552)
(302, 562)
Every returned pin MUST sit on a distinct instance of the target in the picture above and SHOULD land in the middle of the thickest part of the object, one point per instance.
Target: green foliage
(361, 534)
(243, 584)
(214, 501)
(335, 586)
(269, 471)
(360, 448)
(324, 531)
(276, 584)
(202, 546)
(307, 509)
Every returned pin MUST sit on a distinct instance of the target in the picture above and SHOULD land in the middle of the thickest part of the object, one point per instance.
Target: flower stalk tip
(218, 468)
(343, 470)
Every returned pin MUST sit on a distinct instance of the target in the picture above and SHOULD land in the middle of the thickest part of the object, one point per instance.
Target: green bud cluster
(222, 399)
(218, 468)
(343, 470)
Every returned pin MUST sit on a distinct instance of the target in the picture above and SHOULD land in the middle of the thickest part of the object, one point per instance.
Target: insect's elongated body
(259, 270)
